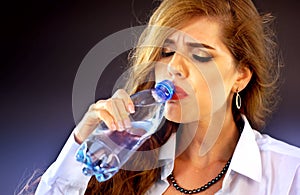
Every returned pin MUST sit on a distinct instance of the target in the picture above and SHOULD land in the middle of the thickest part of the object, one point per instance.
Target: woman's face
(202, 69)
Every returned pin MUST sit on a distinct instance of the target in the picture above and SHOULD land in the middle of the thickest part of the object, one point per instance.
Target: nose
(177, 67)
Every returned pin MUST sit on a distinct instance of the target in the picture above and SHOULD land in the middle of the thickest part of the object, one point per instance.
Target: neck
(213, 141)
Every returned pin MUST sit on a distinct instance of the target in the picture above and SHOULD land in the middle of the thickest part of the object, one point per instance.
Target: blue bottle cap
(164, 90)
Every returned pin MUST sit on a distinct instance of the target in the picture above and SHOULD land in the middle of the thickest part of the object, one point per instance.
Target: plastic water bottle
(105, 151)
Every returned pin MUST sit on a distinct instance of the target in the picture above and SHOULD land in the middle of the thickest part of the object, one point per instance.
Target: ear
(243, 78)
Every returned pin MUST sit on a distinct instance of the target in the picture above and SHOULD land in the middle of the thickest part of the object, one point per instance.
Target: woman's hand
(113, 112)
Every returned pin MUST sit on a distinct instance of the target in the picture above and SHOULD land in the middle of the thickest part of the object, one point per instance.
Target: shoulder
(280, 162)
(268, 144)
(278, 157)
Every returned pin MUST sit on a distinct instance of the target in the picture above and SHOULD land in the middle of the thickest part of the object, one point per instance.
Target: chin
(174, 120)
(178, 118)
(174, 113)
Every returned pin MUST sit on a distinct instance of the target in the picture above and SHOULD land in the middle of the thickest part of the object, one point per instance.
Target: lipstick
(179, 93)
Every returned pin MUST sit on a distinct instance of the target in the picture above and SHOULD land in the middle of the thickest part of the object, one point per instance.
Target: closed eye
(167, 52)
(202, 59)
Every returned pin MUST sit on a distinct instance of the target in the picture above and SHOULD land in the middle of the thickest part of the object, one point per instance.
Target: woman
(222, 60)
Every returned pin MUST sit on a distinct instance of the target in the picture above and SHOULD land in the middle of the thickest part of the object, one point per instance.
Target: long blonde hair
(250, 40)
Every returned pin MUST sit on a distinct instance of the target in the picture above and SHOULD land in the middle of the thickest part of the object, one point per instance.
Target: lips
(179, 94)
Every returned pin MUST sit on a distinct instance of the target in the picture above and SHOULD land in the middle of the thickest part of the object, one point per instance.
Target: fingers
(121, 114)
(114, 111)
(122, 94)
(107, 119)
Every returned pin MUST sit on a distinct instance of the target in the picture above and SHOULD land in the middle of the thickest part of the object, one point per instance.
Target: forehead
(199, 29)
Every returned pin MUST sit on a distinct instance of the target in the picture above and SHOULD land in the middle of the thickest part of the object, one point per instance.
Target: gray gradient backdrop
(44, 42)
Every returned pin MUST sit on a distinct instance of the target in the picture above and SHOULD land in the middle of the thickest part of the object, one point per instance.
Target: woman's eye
(202, 56)
(166, 52)
(202, 59)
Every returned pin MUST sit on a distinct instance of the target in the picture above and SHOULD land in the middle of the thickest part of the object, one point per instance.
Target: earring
(238, 100)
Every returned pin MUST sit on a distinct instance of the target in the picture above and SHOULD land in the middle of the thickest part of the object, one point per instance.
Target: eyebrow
(191, 44)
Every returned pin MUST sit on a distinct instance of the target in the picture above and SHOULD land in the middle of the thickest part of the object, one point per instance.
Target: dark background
(42, 45)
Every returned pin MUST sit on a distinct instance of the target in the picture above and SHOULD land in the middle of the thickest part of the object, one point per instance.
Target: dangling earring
(238, 99)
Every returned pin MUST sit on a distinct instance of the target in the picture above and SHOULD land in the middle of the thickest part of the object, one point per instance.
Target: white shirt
(260, 165)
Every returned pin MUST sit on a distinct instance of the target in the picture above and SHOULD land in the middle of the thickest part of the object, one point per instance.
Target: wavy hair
(250, 39)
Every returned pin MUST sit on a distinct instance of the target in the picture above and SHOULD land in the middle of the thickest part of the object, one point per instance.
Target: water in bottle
(105, 151)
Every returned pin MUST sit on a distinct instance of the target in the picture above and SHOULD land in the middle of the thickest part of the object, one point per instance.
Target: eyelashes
(167, 54)
(202, 59)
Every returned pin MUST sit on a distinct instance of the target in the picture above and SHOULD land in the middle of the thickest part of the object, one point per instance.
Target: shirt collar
(167, 156)
(246, 158)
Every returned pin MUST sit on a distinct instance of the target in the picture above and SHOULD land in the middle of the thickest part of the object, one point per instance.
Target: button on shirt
(260, 165)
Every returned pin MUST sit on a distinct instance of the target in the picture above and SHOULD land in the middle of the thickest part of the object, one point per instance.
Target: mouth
(179, 94)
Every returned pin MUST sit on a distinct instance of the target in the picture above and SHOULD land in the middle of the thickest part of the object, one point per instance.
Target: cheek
(220, 77)
(203, 101)
(160, 71)
(229, 74)
(200, 87)
(173, 113)
(229, 79)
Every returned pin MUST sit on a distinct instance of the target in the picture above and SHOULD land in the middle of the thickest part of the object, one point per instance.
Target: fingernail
(127, 123)
(113, 126)
(121, 126)
(131, 108)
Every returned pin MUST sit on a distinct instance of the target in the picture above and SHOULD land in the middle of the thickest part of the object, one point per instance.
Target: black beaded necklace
(202, 188)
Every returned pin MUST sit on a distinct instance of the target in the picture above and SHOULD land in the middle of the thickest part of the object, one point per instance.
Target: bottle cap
(164, 90)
